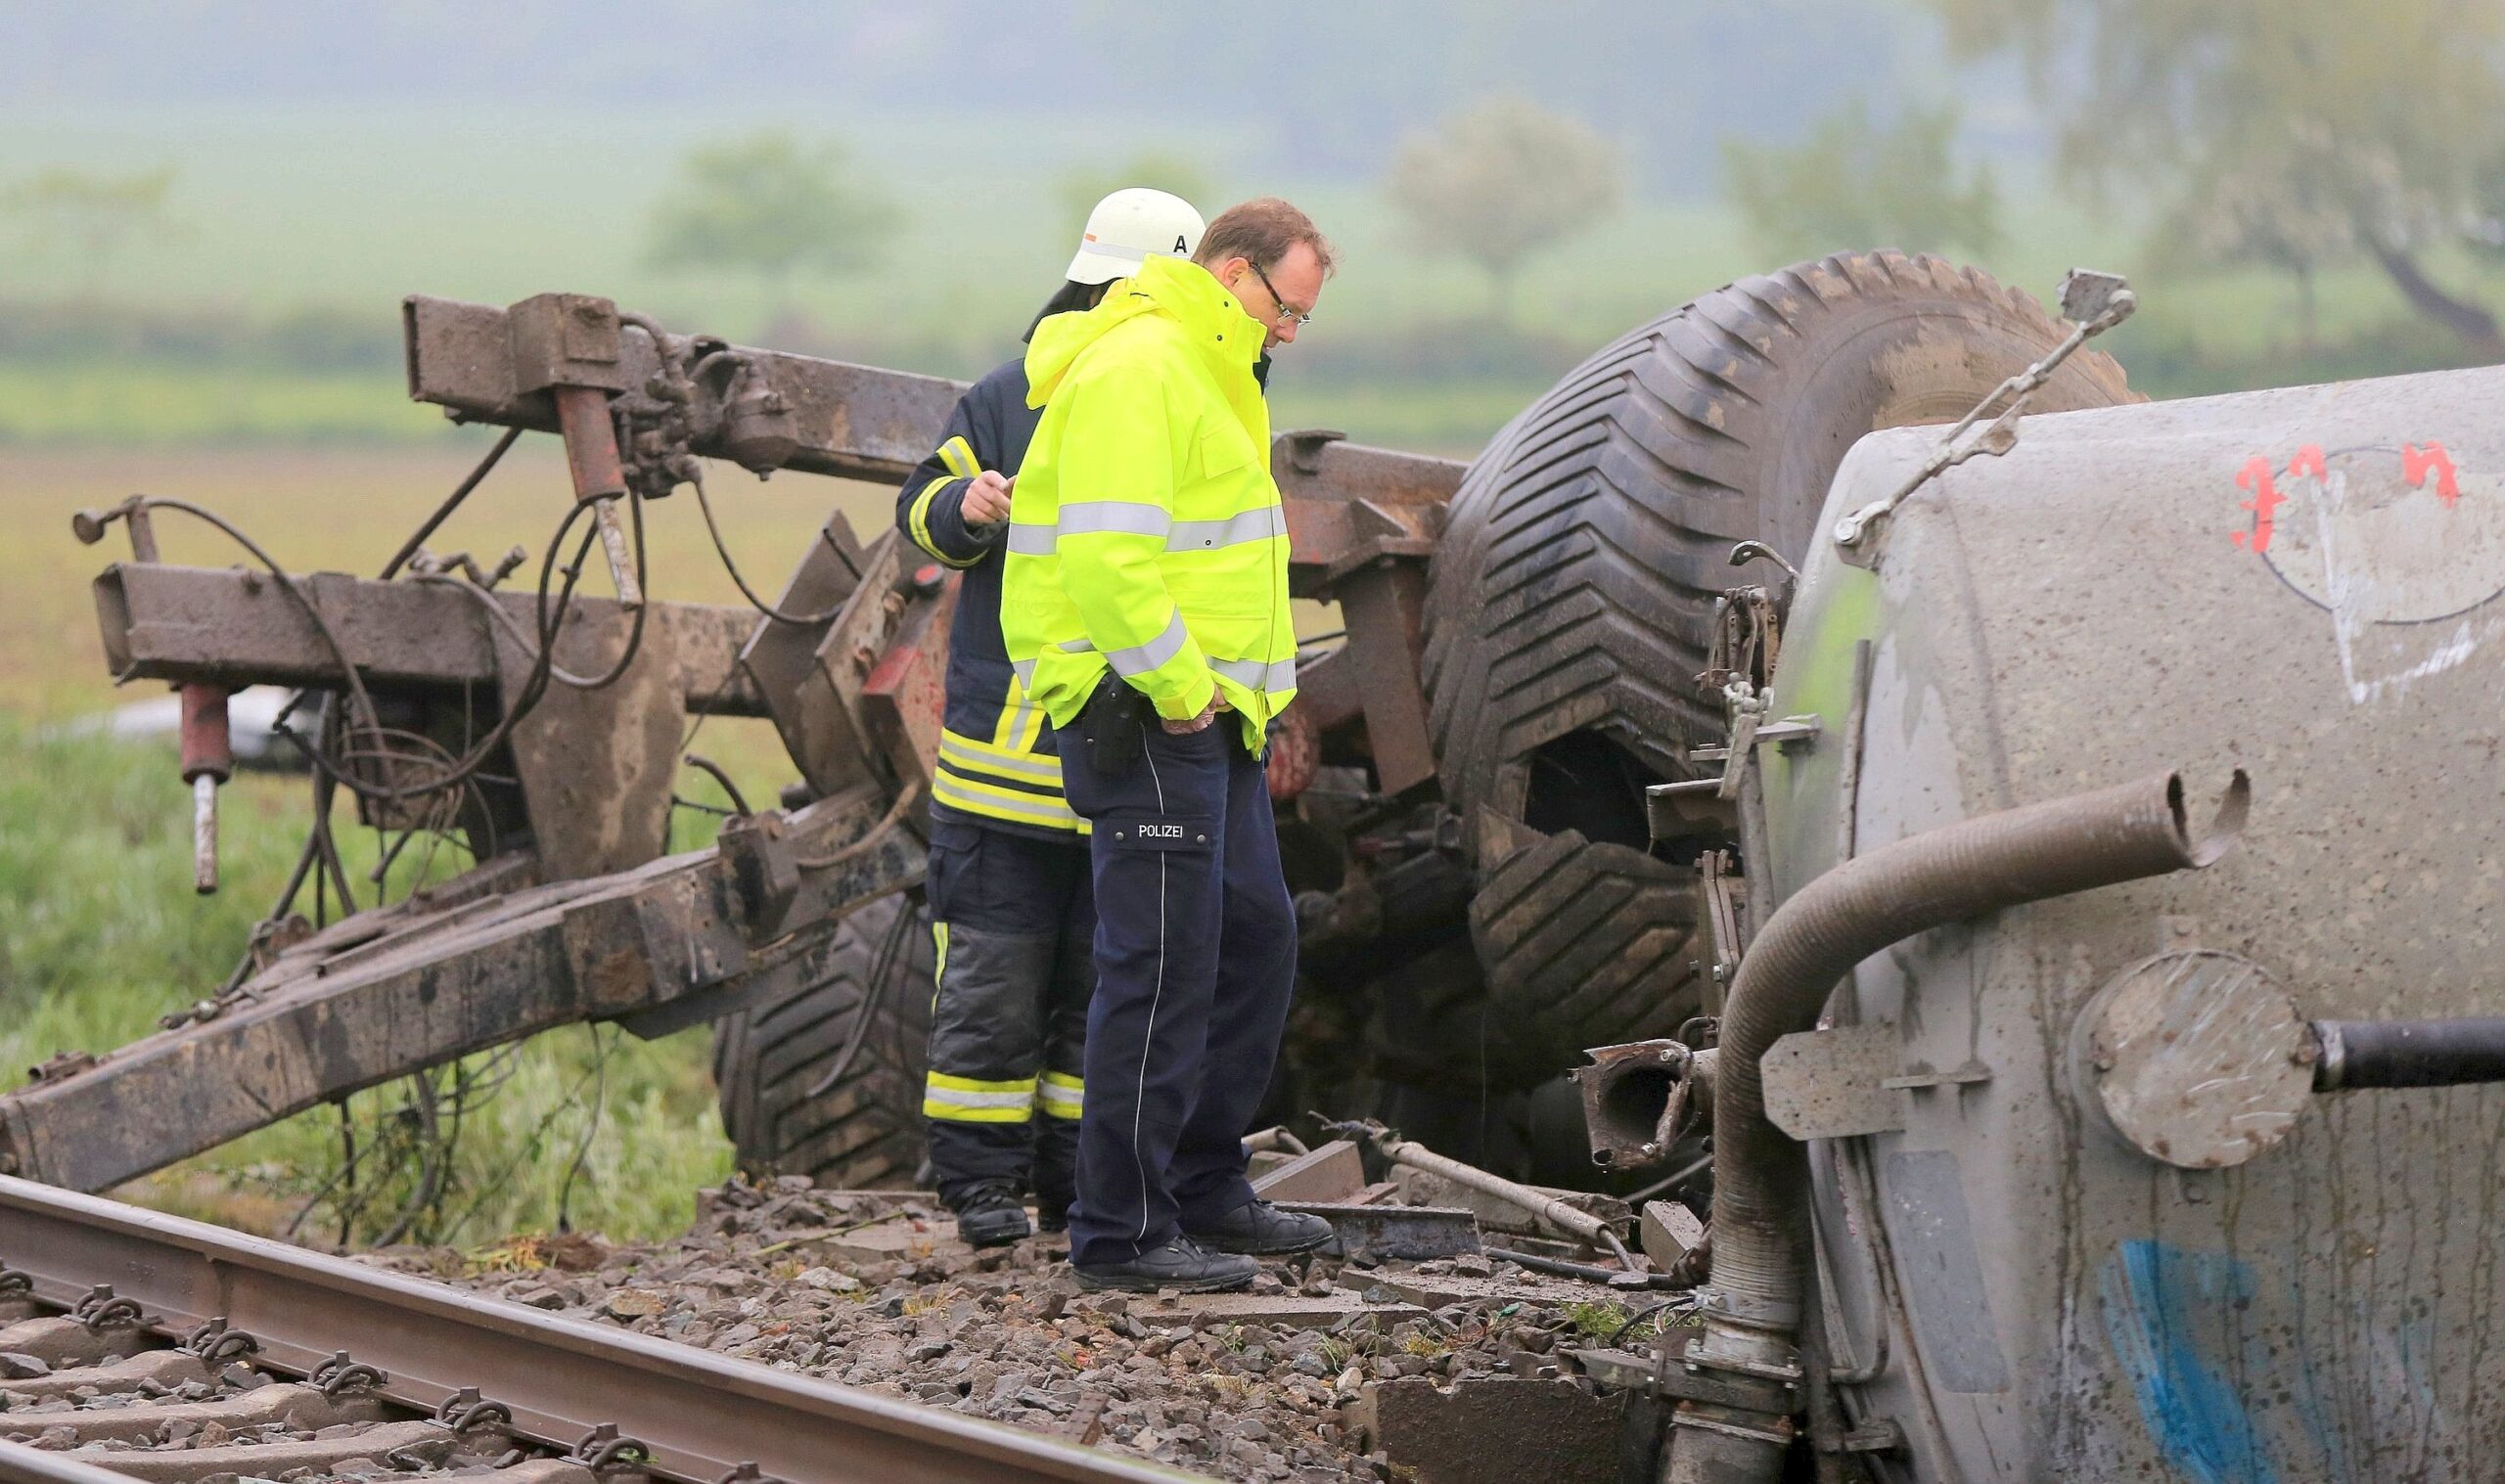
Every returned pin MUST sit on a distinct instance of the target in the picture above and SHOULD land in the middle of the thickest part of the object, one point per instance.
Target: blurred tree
(1854, 184)
(1081, 190)
(1501, 182)
(2312, 129)
(93, 217)
(769, 205)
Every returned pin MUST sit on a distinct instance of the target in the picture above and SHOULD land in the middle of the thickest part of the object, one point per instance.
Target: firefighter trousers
(1195, 963)
(1013, 915)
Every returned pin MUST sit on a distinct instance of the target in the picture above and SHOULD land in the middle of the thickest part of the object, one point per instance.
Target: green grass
(103, 935)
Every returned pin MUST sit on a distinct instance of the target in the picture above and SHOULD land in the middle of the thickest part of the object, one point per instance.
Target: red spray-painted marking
(2308, 461)
(2417, 459)
(2265, 500)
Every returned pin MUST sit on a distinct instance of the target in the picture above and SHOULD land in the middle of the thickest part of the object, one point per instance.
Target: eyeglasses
(1284, 313)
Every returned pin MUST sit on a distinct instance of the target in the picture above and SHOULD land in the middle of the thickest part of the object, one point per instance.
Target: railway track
(135, 1345)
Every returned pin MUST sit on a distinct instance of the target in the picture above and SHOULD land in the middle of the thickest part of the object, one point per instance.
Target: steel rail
(700, 1414)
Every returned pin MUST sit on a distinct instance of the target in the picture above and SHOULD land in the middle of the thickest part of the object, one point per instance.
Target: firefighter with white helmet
(1012, 909)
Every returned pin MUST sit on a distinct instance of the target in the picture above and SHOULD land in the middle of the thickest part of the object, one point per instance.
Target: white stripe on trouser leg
(1139, 1103)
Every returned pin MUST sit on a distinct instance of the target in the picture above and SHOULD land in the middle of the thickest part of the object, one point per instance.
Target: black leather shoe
(1052, 1212)
(1182, 1264)
(990, 1215)
(1258, 1229)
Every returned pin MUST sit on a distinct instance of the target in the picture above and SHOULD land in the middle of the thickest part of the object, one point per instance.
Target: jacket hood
(1174, 287)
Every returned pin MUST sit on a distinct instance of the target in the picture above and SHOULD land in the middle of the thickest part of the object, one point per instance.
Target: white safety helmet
(1126, 227)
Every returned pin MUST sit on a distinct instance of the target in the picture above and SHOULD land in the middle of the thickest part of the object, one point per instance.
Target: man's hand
(986, 501)
(1209, 713)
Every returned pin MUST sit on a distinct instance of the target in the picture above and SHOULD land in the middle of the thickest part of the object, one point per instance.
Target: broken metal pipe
(208, 760)
(1761, 1175)
(1562, 1218)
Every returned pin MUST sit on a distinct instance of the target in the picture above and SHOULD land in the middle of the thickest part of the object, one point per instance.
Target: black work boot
(1182, 1264)
(990, 1214)
(1052, 1209)
(1258, 1229)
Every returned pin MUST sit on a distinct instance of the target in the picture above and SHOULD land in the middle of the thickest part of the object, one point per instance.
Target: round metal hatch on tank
(2194, 1057)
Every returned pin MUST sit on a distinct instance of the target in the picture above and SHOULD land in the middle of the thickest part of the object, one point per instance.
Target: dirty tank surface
(2303, 584)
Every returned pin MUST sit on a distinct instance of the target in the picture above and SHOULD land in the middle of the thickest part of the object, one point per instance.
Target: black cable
(881, 969)
(443, 512)
(533, 686)
(704, 504)
(1637, 1317)
(556, 672)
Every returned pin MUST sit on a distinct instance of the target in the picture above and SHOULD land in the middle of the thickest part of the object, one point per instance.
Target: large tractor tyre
(1571, 596)
(864, 1130)
(1587, 943)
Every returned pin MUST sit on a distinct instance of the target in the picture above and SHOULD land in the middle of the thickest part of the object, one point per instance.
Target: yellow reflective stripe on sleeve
(950, 1112)
(1061, 1094)
(973, 1100)
(923, 527)
(956, 1084)
(958, 456)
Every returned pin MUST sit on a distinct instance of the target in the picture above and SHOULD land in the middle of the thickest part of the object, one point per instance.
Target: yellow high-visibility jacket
(1145, 529)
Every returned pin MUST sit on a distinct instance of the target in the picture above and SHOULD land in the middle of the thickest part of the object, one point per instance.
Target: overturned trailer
(2008, 1062)
(1461, 782)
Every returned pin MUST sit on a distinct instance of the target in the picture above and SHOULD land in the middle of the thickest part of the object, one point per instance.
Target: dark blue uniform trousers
(1195, 962)
(1017, 917)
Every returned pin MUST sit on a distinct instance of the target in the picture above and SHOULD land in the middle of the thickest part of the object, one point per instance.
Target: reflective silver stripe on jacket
(1208, 535)
(1254, 675)
(1140, 659)
(1123, 517)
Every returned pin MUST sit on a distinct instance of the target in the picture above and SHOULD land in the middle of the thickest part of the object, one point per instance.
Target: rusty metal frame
(1361, 521)
(233, 627)
(700, 1414)
(393, 991)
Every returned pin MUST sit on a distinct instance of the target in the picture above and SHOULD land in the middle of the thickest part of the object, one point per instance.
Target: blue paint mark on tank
(2169, 1314)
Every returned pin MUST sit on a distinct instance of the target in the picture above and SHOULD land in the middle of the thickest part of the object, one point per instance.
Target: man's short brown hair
(1262, 231)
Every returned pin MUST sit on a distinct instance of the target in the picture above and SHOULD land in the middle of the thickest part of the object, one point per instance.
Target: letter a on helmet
(1129, 226)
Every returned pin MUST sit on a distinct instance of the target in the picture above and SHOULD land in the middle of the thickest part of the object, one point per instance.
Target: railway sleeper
(61, 1340)
(404, 1447)
(132, 1374)
(298, 1407)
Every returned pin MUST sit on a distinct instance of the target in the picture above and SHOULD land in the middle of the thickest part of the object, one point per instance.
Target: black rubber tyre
(1587, 943)
(864, 1132)
(1571, 596)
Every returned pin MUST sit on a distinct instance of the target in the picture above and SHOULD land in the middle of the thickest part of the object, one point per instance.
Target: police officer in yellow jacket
(1010, 903)
(1145, 606)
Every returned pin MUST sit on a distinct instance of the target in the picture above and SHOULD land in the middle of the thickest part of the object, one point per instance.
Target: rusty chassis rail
(485, 958)
(1361, 521)
(700, 1413)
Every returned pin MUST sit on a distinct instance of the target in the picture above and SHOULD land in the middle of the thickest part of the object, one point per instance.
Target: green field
(335, 212)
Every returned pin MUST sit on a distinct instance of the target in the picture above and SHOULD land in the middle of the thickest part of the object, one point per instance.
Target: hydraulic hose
(2361, 1053)
(1761, 1175)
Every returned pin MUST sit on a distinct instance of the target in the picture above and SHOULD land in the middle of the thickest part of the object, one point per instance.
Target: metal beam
(232, 627)
(1347, 503)
(390, 992)
(853, 422)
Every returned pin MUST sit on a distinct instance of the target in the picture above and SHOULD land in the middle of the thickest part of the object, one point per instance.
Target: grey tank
(2100, 605)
